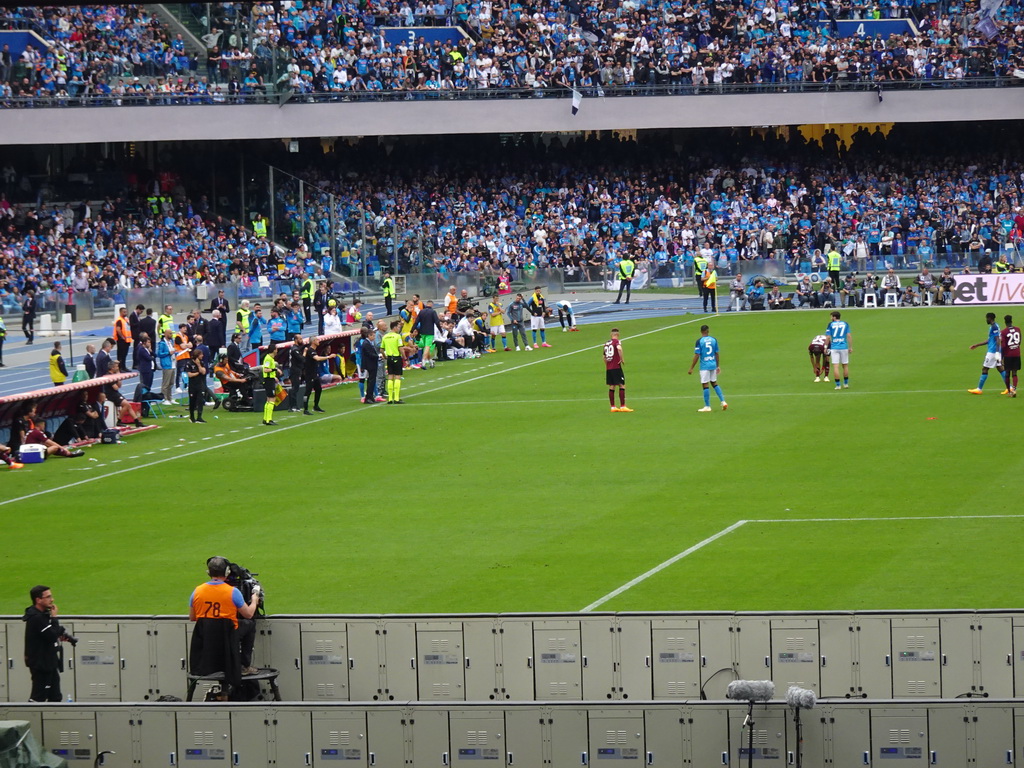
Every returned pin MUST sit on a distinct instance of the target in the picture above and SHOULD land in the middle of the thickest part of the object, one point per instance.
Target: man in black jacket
(43, 654)
(220, 303)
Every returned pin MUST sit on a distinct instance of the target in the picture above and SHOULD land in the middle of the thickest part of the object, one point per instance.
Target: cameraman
(216, 599)
(43, 655)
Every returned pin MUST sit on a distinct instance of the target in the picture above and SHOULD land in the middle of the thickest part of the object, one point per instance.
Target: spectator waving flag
(577, 98)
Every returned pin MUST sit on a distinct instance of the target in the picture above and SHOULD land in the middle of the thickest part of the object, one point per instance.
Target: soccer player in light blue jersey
(842, 345)
(706, 353)
(993, 354)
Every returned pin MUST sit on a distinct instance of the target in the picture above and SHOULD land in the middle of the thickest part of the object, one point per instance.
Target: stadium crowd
(582, 208)
(121, 52)
(578, 208)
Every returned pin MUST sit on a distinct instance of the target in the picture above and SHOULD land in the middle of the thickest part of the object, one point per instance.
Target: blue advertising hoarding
(409, 35)
(872, 27)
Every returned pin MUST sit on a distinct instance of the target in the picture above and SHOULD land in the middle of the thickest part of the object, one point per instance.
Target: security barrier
(840, 734)
(558, 657)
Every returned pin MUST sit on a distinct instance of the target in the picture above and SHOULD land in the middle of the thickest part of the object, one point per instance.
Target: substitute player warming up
(614, 377)
(841, 344)
(993, 357)
(706, 353)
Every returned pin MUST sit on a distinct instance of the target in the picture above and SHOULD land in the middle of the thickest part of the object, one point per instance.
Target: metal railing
(271, 95)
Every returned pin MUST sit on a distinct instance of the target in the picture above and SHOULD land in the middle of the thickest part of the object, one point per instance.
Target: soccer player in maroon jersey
(614, 376)
(1009, 339)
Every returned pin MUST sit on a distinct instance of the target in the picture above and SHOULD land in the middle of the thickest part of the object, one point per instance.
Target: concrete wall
(297, 119)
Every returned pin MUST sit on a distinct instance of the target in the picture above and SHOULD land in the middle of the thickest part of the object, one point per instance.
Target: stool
(892, 299)
(267, 673)
(870, 300)
(926, 297)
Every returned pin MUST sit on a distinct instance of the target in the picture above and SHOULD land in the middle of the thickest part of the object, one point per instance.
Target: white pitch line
(298, 424)
(725, 531)
(662, 566)
(885, 519)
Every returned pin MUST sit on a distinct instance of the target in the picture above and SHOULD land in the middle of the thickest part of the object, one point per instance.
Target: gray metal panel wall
(838, 734)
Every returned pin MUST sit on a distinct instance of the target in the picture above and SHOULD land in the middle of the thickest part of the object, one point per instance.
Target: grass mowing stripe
(278, 431)
(725, 531)
(662, 566)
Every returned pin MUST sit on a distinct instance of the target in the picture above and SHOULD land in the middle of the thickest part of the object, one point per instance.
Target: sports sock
(543, 337)
(622, 396)
(391, 390)
(1014, 380)
(707, 397)
(981, 381)
(846, 379)
(504, 342)
(268, 411)
(493, 339)
(837, 382)
(718, 391)
(398, 389)
(611, 397)
(362, 388)
(534, 336)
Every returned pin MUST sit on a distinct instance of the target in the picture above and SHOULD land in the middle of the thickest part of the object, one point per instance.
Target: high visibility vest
(389, 287)
(835, 261)
(213, 600)
(1000, 266)
(626, 267)
(181, 352)
(122, 330)
(259, 227)
(711, 281)
(56, 375)
(699, 265)
(163, 323)
(243, 320)
(307, 289)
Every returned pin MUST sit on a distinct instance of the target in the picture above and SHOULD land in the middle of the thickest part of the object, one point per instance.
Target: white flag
(577, 97)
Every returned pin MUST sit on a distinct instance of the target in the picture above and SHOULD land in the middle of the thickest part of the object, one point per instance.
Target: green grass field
(504, 484)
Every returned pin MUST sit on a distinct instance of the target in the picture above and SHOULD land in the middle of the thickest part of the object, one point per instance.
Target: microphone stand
(799, 737)
(749, 722)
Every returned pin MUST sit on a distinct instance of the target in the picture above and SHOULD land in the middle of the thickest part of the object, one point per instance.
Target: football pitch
(504, 484)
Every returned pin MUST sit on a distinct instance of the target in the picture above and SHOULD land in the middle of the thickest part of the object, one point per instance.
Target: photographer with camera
(43, 635)
(216, 646)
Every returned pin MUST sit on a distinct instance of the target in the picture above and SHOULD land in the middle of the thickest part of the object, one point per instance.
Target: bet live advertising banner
(989, 289)
(872, 27)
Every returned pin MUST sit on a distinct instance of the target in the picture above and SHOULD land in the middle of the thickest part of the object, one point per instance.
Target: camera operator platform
(223, 639)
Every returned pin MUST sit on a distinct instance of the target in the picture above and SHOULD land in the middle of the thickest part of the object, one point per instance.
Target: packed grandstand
(917, 197)
(240, 51)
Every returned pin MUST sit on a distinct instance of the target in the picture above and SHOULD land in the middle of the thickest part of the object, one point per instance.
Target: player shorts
(497, 330)
(536, 323)
(1011, 363)
(614, 377)
(840, 356)
(394, 366)
(816, 349)
(426, 342)
(992, 360)
(708, 377)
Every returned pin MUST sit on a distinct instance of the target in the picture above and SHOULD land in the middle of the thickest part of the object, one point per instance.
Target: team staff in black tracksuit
(296, 364)
(311, 372)
(43, 654)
